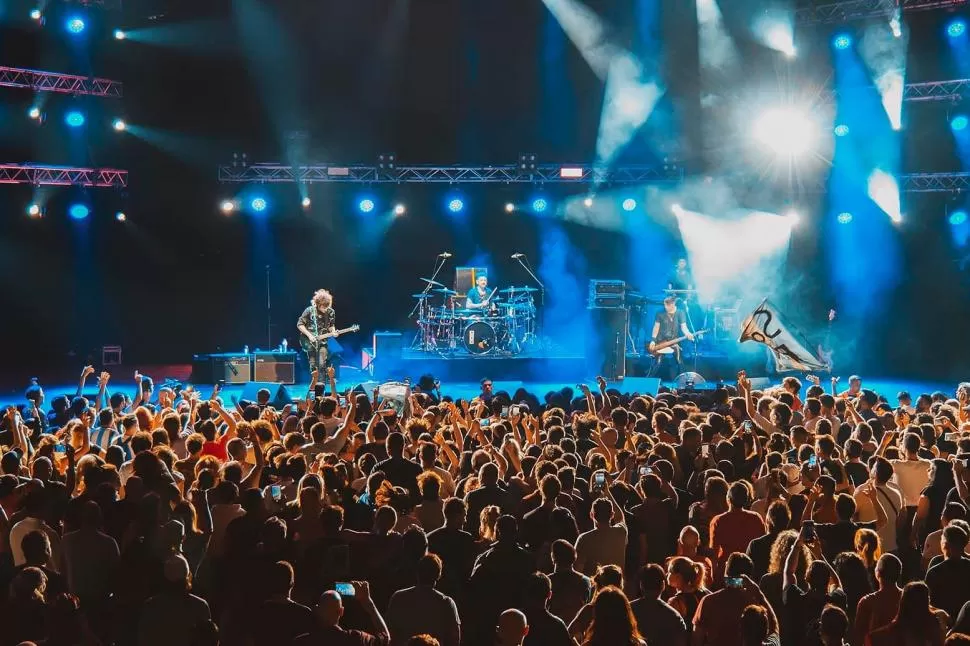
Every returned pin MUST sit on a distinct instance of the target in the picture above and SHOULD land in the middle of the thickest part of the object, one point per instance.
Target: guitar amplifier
(606, 293)
(212, 368)
(275, 366)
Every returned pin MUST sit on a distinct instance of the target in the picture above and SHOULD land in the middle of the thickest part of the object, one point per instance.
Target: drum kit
(505, 327)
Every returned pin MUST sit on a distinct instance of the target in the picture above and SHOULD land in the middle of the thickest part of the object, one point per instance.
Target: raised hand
(138, 377)
(314, 376)
(331, 373)
(813, 379)
(601, 382)
(87, 372)
(103, 378)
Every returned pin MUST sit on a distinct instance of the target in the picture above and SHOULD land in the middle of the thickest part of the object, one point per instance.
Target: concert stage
(536, 366)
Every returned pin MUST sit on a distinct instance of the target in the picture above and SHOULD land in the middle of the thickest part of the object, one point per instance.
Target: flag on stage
(766, 325)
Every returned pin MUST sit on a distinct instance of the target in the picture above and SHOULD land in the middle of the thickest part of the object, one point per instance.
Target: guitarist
(317, 319)
(668, 325)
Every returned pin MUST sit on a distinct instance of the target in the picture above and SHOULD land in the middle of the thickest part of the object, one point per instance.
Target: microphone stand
(421, 305)
(542, 290)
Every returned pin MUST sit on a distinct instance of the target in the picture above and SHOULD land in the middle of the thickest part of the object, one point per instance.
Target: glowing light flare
(509, 207)
(959, 123)
(588, 202)
(33, 210)
(844, 218)
(258, 204)
(120, 34)
(74, 119)
(75, 25)
(842, 41)
(365, 205)
(785, 131)
(841, 130)
(539, 205)
(629, 204)
(34, 113)
(776, 30)
(121, 217)
(35, 14)
(891, 87)
(956, 28)
(227, 206)
(305, 202)
(78, 211)
(400, 209)
(958, 217)
(119, 125)
(883, 189)
(456, 205)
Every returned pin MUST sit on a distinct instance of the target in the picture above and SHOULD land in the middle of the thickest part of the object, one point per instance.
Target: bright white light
(628, 102)
(896, 24)
(121, 217)
(785, 131)
(33, 210)
(794, 217)
(571, 172)
(34, 112)
(400, 209)
(227, 206)
(120, 34)
(884, 191)
(35, 14)
(588, 202)
(778, 36)
(587, 31)
(891, 86)
(716, 46)
(629, 204)
(306, 202)
(677, 209)
(119, 125)
(509, 207)
(884, 54)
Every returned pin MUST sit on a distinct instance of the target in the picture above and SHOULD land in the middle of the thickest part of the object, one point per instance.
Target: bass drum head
(479, 337)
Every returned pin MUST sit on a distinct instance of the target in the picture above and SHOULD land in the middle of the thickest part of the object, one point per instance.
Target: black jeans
(319, 361)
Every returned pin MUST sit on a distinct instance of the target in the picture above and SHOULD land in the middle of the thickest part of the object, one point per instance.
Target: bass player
(667, 326)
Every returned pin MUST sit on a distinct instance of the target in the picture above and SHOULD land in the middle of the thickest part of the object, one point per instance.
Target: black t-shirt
(857, 472)
(680, 279)
(546, 629)
(401, 472)
(670, 324)
(840, 537)
(280, 622)
(949, 584)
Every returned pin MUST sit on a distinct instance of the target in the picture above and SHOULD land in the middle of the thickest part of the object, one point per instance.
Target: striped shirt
(104, 437)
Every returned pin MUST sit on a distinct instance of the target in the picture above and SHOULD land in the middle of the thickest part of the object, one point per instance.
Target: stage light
(677, 209)
(305, 202)
(509, 207)
(120, 34)
(588, 202)
(119, 125)
(258, 204)
(958, 217)
(629, 204)
(78, 211)
(365, 206)
(896, 25)
(33, 210)
(959, 123)
(842, 41)
(794, 217)
(456, 205)
(784, 131)
(956, 28)
(121, 217)
(841, 130)
(74, 119)
(75, 25)
(844, 218)
(539, 205)
(227, 206)
(34, 112)
(400, 209)
(35, 14)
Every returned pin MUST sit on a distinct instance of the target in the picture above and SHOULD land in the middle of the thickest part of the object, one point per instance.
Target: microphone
(444, 254)
(518, 255)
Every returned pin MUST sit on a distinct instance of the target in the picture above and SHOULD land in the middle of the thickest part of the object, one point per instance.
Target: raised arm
(86, 372)
(744, 386)
(225, 417)
(100, 400)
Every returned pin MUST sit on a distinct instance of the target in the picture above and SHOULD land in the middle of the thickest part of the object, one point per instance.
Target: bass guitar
(310, 346)
(669, 347)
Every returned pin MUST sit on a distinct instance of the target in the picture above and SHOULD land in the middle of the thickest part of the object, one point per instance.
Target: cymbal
(445, 291)
(432, 282)
(422, 296)
(518, 290)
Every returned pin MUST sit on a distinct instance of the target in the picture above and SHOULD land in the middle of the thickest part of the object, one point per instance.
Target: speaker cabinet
(606, 342)
(386, 358)
(275, 366)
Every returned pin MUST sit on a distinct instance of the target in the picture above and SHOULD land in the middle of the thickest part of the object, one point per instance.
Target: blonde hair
(322, 297)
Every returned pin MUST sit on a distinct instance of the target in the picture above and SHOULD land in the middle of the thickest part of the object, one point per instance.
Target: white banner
(766, 325)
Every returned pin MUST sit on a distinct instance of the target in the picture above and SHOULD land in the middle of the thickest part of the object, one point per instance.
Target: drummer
(478, 297)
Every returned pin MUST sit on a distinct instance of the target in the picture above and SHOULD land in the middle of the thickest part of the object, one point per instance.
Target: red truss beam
(62, 176)
(55, 82)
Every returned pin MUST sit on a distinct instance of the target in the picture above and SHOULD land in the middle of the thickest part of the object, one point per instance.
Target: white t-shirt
(911, 476)
(892, 504)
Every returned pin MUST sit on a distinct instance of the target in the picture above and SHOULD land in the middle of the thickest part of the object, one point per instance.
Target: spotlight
(456, 205)
(119, 125)
(844, 218)
(365, 205)
(35, 14)
(75, 25)
(120, 34)
(509, 207)
(841, 130)
(33, 211)
(227, 206)
(34, 112)
(399, 209)
(794, 217)
(956, 28)
(258, 204)
(677, 209)
(121, 217)
(959, 123)
(74, 119)
(539, 205)
(588, 202)
(786, 132)
(306, 202)
(896, 24)
(78, 211)
(842, 41)
(629, 204)
(958, 217)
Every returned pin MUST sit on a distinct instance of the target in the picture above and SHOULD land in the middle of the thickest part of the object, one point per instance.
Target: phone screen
(952, 437)
(505, 411)
(60, 449)
(344, 589)
(734, 582)
(599, 479)
(645, 471)
(276, 492)
(812, 461)
(705, 450)
(747, 425)
(808, 530)
(485, 422)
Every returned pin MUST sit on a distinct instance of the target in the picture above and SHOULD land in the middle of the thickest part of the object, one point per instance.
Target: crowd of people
(796, 515)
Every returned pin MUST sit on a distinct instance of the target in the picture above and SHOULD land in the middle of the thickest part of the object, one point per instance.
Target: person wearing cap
(175, 615)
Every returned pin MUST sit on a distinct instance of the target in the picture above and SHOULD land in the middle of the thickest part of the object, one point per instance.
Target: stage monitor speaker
(212, 368)
(386, 358)
(606, 344)
(275, 366)
(465, 278)
(279, 394)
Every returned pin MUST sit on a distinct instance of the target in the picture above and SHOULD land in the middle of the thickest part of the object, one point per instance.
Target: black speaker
(387, 355)
(279, 395)
(606, 343)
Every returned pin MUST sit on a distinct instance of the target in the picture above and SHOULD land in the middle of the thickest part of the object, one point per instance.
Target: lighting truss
(935, 183)
(513, 174)
(55, 82)
(62, 176)
(937, 90)
(838, 12)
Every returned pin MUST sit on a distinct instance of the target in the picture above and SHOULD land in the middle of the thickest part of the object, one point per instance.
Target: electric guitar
(310, 346)
(669, 347)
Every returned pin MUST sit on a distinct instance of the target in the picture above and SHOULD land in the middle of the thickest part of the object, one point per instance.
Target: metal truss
(846, 10)
(935, 183)
(55, 82)
(937, 90)
(513, 174)
(39, 175)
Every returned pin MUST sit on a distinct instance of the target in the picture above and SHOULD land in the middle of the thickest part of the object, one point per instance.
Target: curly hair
(779, 550)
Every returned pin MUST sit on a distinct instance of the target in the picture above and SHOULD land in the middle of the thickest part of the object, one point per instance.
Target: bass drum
(479, 337)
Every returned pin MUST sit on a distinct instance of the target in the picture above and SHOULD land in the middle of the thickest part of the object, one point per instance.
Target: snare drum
(479, 337)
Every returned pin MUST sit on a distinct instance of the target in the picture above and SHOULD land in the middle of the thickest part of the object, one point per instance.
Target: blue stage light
(959, 123)
(956, 28)
(75, 25)
(366, 205)
(845, 217)
(74, 118)
(258, 204)
(958, 217)
(539, 205)
(79, 211)
(842, 41)
(629, 204)
(456, 205)
(841, 130)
